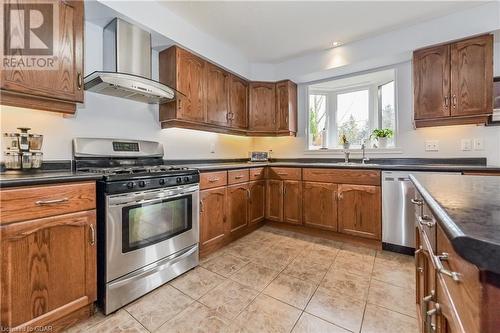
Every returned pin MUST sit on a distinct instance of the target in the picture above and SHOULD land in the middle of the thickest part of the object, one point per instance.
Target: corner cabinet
(48, 256)
(453, 83)
(57, 89)
(214, 100)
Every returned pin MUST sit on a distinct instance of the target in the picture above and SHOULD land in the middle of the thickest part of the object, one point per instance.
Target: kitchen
(249, 202)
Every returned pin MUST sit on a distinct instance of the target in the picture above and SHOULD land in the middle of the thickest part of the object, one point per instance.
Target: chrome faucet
(364, 159)
(346, 155)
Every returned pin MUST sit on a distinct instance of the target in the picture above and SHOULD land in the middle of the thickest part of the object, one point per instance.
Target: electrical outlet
(478, 144)
(432, 145)
(212, 148)
(466, 144)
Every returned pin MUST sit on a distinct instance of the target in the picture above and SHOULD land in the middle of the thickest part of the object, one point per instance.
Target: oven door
(144, 227)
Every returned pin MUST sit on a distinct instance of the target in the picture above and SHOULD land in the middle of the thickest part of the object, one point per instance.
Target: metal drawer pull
(238, 177)
(417, 202)
(429, 326)
(455, 276)
(201, 206)
(50, 202)
(92, 234)
(213, 180)
(426, 221)
(417, 253)
(425, 302)
(282, 173)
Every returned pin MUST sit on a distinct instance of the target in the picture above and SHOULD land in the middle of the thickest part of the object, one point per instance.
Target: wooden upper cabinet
(238, 95)
(257, 203)
(453, 83)
(359, 210)
(320, 205)
(186, 73)
(286, 106)
(56, 89)
(48, 269)
(431, 72)
(292, 201)
(212, 216)
(218, 83)
(262, 112)
(237, 206)
(472, 76)
(274, 200)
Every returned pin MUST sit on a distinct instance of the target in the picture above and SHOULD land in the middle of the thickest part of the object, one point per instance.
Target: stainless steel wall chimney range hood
(127, 66)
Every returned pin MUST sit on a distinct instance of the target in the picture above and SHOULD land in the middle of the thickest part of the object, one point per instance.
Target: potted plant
(382, 134)
(344, 142)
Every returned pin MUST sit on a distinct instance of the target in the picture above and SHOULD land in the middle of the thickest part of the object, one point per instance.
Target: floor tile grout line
(368, 294)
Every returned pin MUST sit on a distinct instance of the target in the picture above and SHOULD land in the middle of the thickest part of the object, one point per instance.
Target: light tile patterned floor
(278, 281)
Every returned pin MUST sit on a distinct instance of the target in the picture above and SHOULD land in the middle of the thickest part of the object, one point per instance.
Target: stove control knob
(179, 180)
(141, 183)
(186, 179)
(130, 185)
(162, 181)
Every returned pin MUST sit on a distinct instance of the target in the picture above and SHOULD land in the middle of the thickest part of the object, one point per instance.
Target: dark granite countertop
(468, 210)
(20, 178)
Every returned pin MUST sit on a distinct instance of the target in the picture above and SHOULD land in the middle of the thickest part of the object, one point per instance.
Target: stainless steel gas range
(147, 217)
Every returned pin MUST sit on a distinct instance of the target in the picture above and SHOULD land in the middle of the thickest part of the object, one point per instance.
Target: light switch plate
(466, 144)
(478, 144)
(431, 145)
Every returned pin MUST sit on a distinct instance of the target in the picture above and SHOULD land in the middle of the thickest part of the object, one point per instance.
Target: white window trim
(396, 149)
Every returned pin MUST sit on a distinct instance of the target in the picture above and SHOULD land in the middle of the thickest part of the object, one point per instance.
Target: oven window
(150, 223)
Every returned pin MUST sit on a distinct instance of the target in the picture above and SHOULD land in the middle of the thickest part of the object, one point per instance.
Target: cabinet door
(292, 201)
(320, 205)
(238, 102)
(212, 215)
(65, 80)
(237, 206)
(262, 106)
(48, 268)
(218, 81)
(274, 200)
(472, 76)
(191, 78)
(257, 204)
(359, 211)
(431, 79)
(286, 106)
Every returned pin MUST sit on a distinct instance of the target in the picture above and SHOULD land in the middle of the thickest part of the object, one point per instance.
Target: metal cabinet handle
(455, 276)
(284, 189)
(454, 100)
(248, 193)
(417, 202)
(50, 202)
(79, 81)
(340, 195)
(202, 206)
(429, 326)
(446, 101)
(282, 173)
(417, 254)
(213, 180)
(238, 177)
(426, 221)
(92, 234)
(425, 303)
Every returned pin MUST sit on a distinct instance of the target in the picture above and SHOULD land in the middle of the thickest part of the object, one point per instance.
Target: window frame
(374, 114)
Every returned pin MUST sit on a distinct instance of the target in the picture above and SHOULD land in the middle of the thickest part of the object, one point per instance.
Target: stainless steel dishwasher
(398, 213)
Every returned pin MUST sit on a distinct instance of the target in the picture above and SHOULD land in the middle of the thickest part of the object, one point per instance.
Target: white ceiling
(274, 31)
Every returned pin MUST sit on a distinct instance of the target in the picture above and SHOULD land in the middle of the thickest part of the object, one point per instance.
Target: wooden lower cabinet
(257, 202)
(320, 205)
(274, 200)
(359, 210)
(48, 269)
(212, 216)
(237, 206)
(292, 201)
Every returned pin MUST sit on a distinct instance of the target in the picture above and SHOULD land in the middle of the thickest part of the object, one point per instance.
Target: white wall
(410, 141)
(106, 116)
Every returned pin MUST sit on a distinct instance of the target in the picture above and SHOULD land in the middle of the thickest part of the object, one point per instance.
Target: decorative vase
(346, 146)
(382, 142)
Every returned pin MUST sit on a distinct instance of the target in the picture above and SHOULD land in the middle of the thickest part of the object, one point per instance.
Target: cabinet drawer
(213, 179)
(257, 173)
(344, 176)
(285, 173)
(27, 203)
(237, 176)
(465, 294)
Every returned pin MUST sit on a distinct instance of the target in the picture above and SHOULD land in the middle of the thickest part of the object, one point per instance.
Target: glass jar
(12, 141)
(36, 160)
(26, 160)
(35, 141)
(13, 160)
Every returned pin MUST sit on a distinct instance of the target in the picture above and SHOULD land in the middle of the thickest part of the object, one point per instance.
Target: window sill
(353, 151)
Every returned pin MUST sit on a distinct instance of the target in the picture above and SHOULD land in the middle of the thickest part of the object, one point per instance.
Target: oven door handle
(148, 270)
(152, 200)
